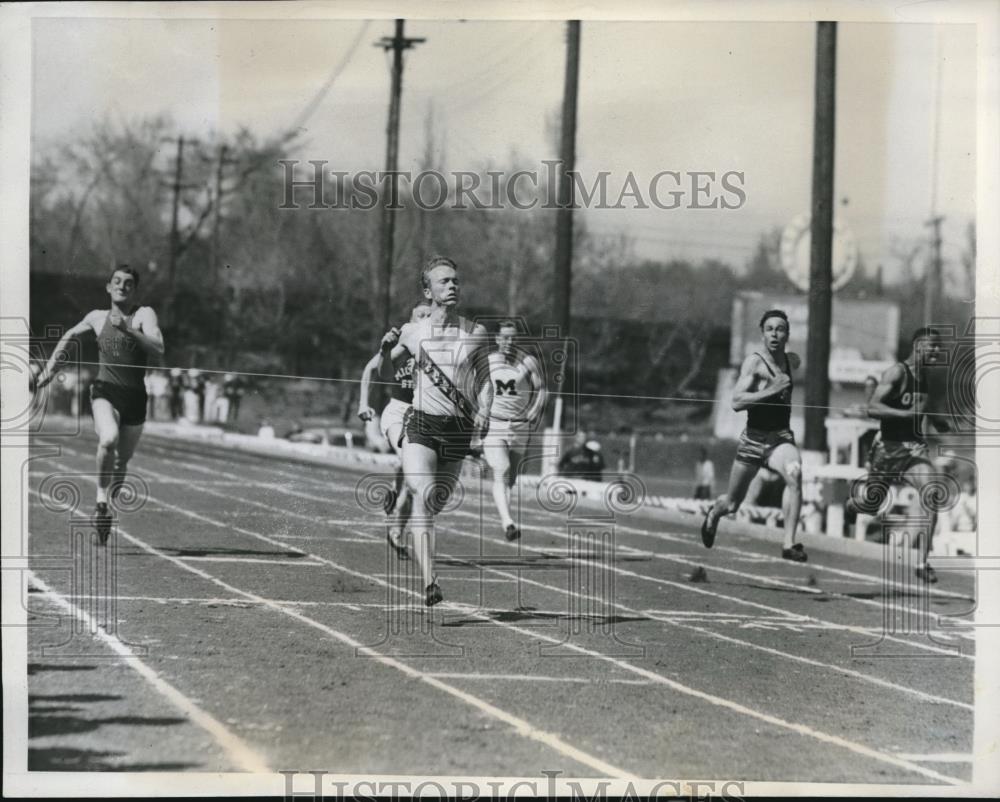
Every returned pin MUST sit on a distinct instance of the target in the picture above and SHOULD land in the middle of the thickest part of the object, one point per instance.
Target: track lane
(304, 510)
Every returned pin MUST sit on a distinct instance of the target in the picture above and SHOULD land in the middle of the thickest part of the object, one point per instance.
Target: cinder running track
(276, 632)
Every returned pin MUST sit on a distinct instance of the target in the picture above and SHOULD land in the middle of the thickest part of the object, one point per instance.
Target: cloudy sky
(690, 96)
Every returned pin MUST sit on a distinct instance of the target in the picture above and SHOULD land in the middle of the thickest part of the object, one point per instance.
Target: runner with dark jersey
(126, 335)
(764, 390)
(899, 454)
(392, 424)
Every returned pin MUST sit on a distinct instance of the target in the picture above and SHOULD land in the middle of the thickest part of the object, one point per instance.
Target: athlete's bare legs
(785, 459)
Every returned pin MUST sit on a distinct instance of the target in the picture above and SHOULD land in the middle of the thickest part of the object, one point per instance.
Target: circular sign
(795, 244)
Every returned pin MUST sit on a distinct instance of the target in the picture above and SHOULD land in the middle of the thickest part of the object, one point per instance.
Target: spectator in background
(199, 391)
(266, 430)
(192, 411)
(704, 476)
(208, 401)
(962, 517)
(583, 460)
(232, 389)
(156, 387)
(176, 393)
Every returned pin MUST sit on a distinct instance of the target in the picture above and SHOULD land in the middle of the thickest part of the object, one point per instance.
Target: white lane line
(687, 587)
(303, 563)
(691, 588)
(661, 536)
(694, 588)
(521, 726)
(927, 697)
(242, 755)
(754, 557)
(664, 536)
(750, 644)
(801, 729)
(383, 575)
(536, 678)
(942, 757)
(332, 485)
(262, 465)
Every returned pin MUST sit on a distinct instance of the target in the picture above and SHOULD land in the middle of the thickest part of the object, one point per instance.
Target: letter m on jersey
(506, 387)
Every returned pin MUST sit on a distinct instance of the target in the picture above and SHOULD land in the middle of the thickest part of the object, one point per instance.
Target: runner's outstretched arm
(82, 327)
(365, 411)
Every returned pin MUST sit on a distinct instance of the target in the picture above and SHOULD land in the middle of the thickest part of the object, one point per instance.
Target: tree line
(243, 284)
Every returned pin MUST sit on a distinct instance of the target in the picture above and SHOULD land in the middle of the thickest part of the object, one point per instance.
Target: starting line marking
(943, 757)
(302, 563)
(533, 678)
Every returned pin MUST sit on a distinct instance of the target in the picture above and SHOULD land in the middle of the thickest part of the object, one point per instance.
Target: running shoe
(708, 527)
(512, 532)
(102, 522)
(927, 574)
(797, 554)
(432, 595)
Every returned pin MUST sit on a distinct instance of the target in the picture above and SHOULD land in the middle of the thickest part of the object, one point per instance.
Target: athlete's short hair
(774, 313)
(924, 331)
(506, 324)
(124, 268)
(434, 261)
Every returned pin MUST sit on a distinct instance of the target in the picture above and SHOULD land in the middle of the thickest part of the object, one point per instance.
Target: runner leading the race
(127, 334)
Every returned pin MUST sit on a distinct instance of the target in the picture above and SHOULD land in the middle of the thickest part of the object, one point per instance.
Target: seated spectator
(266, 430)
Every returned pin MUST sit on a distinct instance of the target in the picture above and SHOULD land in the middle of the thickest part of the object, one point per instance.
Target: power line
(565, 394)
(313, 104)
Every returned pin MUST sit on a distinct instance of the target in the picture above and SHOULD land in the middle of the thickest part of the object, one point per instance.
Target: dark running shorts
(128, 402)
(890, 459)
(447, 435)
(756, 445)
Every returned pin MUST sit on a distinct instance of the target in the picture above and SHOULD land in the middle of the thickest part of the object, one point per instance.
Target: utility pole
(932, 281)
(217, 214)
(563, 283)
(174, 233)
(397, 44)
(821, 246)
